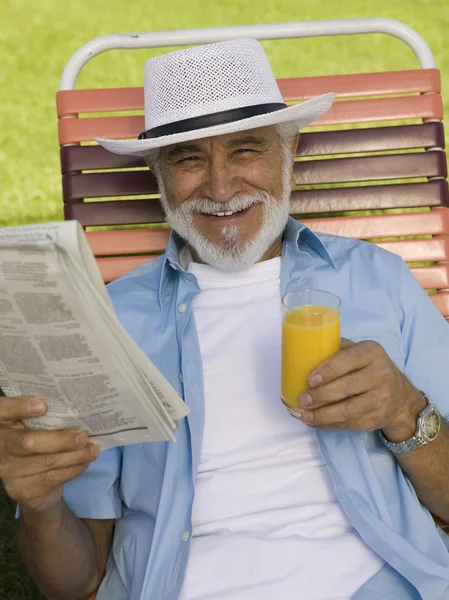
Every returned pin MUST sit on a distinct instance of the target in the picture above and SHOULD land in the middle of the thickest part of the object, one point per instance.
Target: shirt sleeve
(425, 334)
(95, 493)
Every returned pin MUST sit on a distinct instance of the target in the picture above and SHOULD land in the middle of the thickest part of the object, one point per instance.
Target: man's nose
(221, 183)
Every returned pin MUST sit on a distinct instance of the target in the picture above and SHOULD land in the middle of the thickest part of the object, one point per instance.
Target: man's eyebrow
(180, 149)
(248, 140)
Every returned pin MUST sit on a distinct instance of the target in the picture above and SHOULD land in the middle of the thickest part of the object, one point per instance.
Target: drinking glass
(310, 335)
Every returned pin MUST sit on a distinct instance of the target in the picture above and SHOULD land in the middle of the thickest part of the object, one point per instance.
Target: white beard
(231, 253)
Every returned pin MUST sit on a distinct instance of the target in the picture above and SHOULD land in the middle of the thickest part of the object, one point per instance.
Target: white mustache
(236, 203)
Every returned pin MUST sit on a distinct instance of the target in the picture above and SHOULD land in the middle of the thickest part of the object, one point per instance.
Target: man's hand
(360, 388)
(34, 465)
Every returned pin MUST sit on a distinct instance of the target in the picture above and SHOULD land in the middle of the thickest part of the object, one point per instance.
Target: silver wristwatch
(428, 427)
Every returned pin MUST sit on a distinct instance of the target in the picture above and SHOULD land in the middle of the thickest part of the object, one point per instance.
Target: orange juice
(310, 335)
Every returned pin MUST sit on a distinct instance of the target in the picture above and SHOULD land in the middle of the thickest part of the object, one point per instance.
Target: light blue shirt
(149, 487)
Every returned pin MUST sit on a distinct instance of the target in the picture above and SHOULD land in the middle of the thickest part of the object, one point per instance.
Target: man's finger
(345, 343)
(347, 414)
(41, 463)
(26, 442)
(20, 407)
(352, 384)
(27, 489)
(351, 358)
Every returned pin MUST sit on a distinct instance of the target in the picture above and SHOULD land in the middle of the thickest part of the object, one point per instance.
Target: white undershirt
(266, 522)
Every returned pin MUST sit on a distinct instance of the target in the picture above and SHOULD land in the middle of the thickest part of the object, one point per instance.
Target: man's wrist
(404, 426)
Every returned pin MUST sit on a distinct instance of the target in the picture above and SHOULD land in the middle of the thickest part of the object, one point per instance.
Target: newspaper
(61, 340)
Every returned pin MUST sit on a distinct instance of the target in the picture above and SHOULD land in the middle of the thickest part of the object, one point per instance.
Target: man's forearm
(59, 551)
(427, 468)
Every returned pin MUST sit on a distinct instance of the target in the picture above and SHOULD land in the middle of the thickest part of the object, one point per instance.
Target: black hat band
(219, 118)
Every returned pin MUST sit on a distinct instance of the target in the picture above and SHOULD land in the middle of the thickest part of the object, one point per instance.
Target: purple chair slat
(429, 135)
(433, 193)
(371, 168)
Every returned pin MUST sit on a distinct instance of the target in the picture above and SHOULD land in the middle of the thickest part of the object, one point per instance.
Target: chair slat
(104, 185)
(441, 301)
(304, 202)
(129, 241)
(435, 249)
(396, 82)
(372, 139)
(138, 241)
(371, 168)
(73, 130)
(407, 195)
(436, 277)
(131, 212)
(310, 172)
(318, 143)
(113, 268)
(433, 222)
(362, 84)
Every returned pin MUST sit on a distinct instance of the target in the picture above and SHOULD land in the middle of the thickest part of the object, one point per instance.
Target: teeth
(229, 213)
(220, 214)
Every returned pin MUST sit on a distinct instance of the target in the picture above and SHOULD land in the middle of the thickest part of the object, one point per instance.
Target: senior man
(249, 503)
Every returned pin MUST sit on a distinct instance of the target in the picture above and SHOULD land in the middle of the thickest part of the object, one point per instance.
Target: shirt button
(182, 307)
(185, 536)
(174, 267)
(181, 378)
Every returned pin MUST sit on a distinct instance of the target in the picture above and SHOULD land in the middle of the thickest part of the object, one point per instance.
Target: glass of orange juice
(310, 335)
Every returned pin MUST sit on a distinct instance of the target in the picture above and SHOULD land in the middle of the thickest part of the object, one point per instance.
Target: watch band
(420, 438)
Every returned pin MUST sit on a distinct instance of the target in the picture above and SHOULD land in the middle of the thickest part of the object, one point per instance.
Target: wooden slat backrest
(367, 166)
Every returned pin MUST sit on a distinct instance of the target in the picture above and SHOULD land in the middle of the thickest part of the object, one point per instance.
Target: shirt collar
(298, 234)
(295, 233)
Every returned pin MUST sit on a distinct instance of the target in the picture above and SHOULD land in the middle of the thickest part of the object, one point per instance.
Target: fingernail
(316, 379)
(81, 440)
(305, 400)
(94, 450)
(307, 417)
(35, 406)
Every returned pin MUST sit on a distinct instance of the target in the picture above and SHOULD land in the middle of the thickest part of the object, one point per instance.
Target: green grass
(37, 38)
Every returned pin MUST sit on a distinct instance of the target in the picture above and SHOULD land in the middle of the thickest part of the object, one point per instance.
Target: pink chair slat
(433, 222)
(112, 268)
(363, 84)
(131, 241)
(384, 109)
(435, 249)
(139, 241)
(441, 301)
(436, 277)
(73, 130)
(71, 102)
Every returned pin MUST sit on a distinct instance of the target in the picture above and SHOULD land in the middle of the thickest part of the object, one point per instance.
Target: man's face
(227, 195)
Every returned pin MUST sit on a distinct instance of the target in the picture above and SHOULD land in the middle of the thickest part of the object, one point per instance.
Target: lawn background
(37, 38)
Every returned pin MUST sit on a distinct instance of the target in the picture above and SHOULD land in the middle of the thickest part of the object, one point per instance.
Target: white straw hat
(212, 90)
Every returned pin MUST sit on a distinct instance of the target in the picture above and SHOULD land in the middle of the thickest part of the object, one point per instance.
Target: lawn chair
(398, 194)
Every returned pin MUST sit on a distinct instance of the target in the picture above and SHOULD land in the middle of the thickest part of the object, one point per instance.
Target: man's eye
(245, 151)
(188, 159)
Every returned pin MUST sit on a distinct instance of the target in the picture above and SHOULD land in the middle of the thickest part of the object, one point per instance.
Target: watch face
(431, 426)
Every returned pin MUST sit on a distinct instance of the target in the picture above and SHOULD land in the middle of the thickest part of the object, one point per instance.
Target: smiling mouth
(229, 213)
